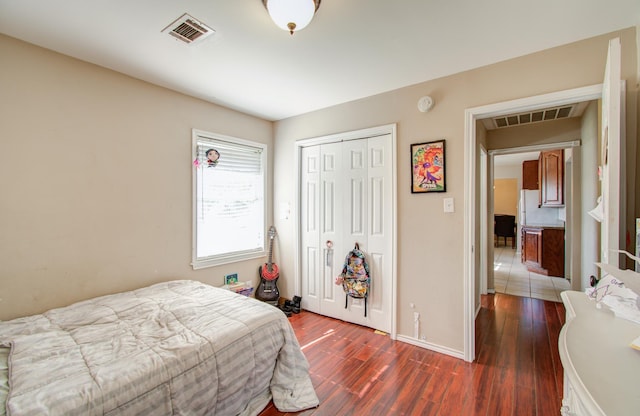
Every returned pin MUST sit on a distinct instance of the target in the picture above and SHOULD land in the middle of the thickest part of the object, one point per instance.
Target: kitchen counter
(556, 226)
(543, 249)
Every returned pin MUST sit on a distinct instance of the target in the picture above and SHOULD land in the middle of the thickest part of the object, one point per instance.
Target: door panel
(309, 219)
(332, 182)
(611, 160)
(355, 209)
(380, 238)
(376, 267)
(377, 206)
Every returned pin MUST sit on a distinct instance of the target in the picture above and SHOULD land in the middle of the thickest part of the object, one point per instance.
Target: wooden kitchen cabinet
(543, 250)
(530, 174)
(532, 246)
(551, 178)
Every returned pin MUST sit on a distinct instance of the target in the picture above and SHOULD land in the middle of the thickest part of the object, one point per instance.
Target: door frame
(484, 225)
(576, 145)
(472, 115)
(337, 137)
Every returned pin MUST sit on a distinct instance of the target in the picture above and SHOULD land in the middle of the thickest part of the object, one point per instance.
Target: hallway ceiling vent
(545, 114)
(188, 29)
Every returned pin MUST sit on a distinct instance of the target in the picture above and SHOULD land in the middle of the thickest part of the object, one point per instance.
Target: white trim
(431, 347)
(484, 224)
(348, 135)
(559, 98)
(535, 147)
(351, 135)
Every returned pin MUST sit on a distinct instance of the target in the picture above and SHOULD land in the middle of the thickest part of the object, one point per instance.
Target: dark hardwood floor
(517, 370)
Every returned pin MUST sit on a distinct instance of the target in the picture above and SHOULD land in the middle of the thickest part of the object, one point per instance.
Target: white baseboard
(491, 291)
(431, 347)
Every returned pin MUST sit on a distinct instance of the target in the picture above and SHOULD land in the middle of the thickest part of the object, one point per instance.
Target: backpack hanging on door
(355, 277)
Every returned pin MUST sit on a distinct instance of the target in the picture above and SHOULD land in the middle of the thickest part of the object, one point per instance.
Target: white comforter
(180, 347)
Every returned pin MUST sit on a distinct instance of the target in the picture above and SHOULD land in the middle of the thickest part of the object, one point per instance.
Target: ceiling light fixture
(291, 15)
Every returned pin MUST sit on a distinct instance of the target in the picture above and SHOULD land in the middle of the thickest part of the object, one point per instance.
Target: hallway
(512, 277)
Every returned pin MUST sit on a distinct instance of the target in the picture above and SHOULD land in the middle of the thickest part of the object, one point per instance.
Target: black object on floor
(285, 309)
(295, 304)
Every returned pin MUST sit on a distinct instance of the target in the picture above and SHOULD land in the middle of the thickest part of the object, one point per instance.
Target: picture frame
(230, 279)
(428, 167)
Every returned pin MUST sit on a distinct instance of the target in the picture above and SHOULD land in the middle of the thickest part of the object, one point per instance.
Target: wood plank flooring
(517, 369)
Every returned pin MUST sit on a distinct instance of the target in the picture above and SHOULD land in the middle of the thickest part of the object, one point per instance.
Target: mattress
(179, 347)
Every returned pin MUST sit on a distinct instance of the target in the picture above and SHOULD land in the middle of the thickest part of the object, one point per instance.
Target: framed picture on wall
(428, 167)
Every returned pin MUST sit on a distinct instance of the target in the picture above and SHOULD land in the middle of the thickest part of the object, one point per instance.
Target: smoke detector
(188, 29)
(425, 104)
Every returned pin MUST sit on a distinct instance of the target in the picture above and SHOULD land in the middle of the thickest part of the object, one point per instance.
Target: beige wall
(430, 276)
(505, 196)
(95, 173)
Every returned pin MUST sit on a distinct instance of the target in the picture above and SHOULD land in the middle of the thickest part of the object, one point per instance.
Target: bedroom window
(229, 199)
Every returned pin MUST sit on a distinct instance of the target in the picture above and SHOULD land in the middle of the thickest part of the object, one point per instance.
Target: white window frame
(230, 257)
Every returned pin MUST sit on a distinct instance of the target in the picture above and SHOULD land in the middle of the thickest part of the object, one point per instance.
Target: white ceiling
(352, 49)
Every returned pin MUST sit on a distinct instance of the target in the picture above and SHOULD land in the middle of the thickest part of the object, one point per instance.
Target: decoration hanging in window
(211, 161)
(212, 158)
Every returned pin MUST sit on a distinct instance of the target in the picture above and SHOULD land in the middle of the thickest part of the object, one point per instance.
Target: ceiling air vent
(188, 29)
(555, 113)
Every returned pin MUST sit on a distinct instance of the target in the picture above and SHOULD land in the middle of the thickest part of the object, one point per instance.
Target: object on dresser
(241, 288)
(613, 291)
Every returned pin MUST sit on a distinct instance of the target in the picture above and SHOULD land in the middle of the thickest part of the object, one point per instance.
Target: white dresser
(601, 370)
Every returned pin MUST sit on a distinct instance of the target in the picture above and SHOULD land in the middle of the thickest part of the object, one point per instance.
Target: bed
(179, 347)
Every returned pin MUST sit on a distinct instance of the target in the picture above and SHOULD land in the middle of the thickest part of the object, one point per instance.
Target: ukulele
(268, 289)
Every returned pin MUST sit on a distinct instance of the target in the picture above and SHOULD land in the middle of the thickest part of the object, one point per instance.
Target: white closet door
(354, 211)
(310, 228)
(346, 198)
(332, 244)
(379, 247)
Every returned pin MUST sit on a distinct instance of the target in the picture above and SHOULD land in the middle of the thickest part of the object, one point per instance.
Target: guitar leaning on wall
(268, 289)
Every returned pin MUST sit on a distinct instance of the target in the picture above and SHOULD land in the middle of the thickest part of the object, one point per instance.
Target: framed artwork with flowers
(428, 167)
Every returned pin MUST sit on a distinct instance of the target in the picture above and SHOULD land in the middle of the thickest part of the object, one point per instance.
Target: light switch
(448, 205)
(284, 211)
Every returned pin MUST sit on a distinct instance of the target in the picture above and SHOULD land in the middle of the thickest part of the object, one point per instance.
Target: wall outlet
(423, 337)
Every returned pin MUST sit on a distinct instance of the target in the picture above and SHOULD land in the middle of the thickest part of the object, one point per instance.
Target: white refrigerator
(531, 214)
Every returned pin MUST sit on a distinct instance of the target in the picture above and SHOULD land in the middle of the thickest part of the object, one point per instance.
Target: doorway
(516, 208)
(472, 117)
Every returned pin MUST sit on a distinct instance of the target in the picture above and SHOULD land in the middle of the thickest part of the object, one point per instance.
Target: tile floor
(512, 278)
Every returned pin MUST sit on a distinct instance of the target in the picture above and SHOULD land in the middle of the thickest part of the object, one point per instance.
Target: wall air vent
(188, 29)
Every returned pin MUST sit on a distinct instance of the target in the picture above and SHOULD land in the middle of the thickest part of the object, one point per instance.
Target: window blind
(229, 200)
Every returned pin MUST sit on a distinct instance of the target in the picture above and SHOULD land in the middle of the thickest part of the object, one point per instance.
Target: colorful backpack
(355, 277)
